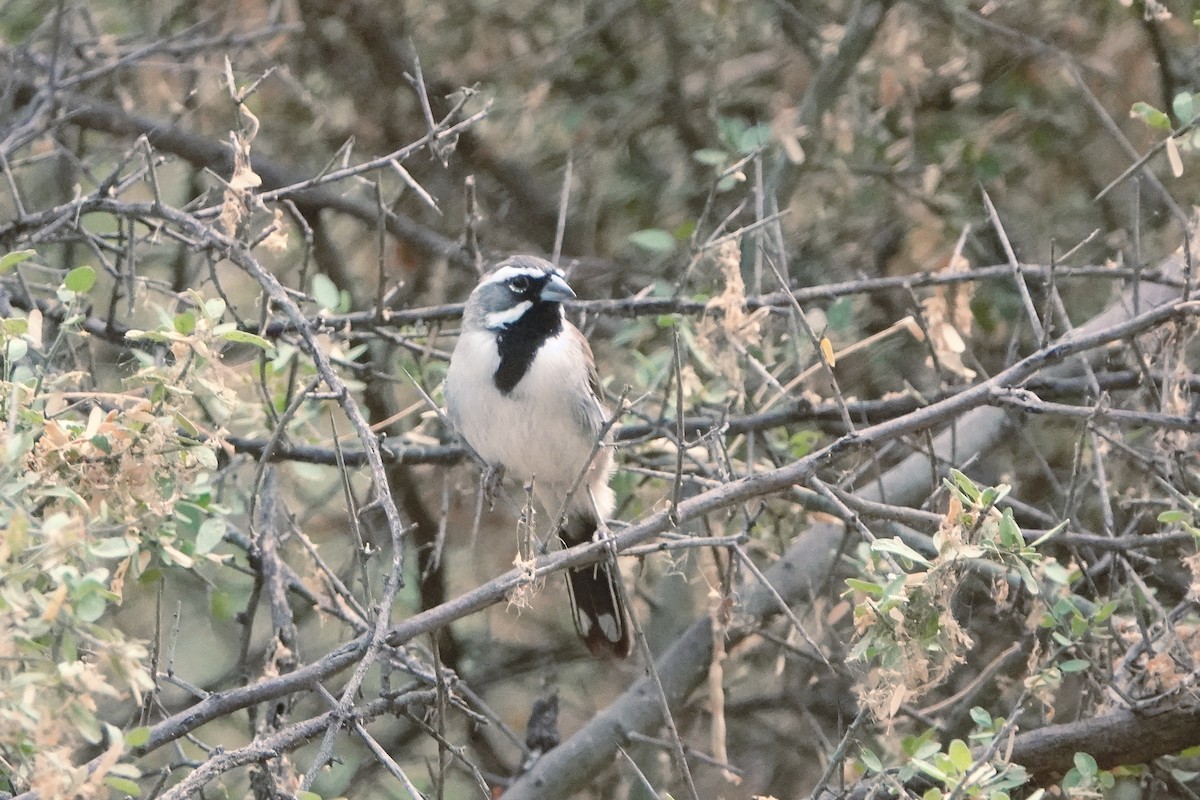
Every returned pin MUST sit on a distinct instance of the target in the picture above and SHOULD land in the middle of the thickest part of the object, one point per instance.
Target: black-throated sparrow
(523, 391)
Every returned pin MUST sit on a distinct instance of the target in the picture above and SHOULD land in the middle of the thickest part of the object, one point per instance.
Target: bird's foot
(604, 534)
(490, 484)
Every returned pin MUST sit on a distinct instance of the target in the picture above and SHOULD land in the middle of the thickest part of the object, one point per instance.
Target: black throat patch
(519, 343)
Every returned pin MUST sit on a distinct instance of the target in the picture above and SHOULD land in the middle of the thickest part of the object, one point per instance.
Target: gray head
(514, 288)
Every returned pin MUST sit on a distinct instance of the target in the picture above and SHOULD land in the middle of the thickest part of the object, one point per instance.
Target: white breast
(545, 428)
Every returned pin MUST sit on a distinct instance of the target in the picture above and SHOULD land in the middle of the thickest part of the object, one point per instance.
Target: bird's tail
(600, 615)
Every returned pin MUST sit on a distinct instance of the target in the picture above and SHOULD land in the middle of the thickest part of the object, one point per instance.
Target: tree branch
(1125, 736)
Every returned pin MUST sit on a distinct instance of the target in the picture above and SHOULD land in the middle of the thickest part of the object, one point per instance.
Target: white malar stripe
(502, 319)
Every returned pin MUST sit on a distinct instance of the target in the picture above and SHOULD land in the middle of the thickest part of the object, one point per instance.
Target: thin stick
(564, 198)
(1018, 278)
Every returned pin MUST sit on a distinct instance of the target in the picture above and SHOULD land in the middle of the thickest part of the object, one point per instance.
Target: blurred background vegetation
(838, 142)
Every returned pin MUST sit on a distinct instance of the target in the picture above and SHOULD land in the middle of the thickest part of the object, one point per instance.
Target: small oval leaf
(138, 736)
(10, 260)
(325, 292)
(212, 531)
(112, 547)
(245, 337)
(80, 280)
(1184, 106)
(654, 240)
(960, 755)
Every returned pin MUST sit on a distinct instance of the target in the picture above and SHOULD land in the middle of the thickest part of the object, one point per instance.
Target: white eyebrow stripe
(502, 319)
(508, 272)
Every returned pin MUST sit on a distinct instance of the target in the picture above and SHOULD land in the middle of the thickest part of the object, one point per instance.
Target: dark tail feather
(600, 615)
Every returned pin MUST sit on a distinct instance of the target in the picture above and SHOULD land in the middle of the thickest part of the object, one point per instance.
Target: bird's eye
(519, 284)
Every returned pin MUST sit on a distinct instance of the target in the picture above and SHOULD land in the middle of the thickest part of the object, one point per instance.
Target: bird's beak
(556, 290)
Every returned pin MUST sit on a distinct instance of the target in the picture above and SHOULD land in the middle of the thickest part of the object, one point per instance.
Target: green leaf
(80, 280)
(754, 138)
(1086, 764)
(10, 260)
(960, 755)
(325, 292)
(981, 717)
(1074, 665)
(899, 548)
(214, 308)
(965, 485)
(730, 181)
(1010, 532)
(185, 322)
(223, 605)
(893, 593)
(190, 516)
(90, 607)
(211, 532)
(245, 337)
(1101, 614)
(1151, 116)
(185, 424)
(913, 745)
(15, 349)
(653, 240)
(802, 443)
(840, 315)
(138, 736)
(1184, 106)
(994, 494)
(85, 723)
(870, 760)
(123, 785)
(112, 547)
(308, 796)
(927, 749)
(1031, 584)
(204, 456)
(1173, 515)
(873, 589)
(708, 155)
(151, 576)
(1057, 529)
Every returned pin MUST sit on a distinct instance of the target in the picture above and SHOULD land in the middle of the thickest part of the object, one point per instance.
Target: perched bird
(522, 389)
